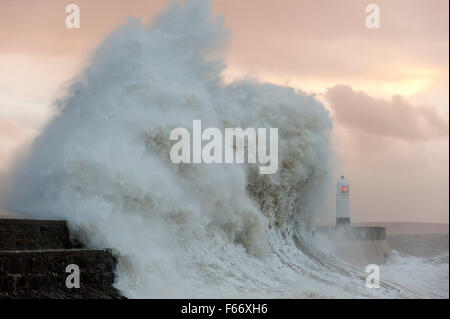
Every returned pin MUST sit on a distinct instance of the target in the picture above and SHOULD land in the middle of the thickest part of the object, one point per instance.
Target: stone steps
(34, 255)
(30, 234)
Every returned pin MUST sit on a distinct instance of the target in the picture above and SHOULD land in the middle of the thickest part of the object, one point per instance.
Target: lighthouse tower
(342, 202)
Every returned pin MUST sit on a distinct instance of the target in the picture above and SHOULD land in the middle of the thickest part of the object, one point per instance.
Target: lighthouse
(357, 245)
(342, 202)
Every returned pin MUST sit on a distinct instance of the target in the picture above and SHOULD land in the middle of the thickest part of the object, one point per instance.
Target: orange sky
(387, 88)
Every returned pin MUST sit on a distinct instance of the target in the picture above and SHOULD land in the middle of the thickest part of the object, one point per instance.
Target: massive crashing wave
(183, 230)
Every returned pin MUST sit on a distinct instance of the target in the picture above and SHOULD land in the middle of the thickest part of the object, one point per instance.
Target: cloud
(12, 139)
(37, 27)
(393, 153)
(10, 132)
(396, 118)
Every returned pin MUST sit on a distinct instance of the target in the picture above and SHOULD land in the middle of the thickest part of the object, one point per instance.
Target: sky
(386, 88)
